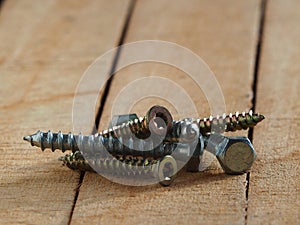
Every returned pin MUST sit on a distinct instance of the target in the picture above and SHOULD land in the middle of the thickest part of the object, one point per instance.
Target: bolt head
(238, 155)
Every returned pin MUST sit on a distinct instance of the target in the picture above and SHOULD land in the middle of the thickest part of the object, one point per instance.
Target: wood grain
(225, 37)
(274, 182)
(45, 48)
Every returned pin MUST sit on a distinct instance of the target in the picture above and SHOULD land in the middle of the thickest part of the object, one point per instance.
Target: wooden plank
(225, 37)
(46, 46)
(274, 182)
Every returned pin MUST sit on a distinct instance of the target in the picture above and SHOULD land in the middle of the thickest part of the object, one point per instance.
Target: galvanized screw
(164, 170)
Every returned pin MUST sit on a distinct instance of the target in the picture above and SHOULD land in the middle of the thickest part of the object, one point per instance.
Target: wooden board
(225, 37)
(45, 48)
(274, 182)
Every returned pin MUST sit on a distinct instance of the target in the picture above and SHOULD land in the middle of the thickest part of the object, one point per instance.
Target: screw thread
(53, 141)
(183, 131)
(116, 139)
(117, 166)
(229, 123)
(138, 127)
(101, 143)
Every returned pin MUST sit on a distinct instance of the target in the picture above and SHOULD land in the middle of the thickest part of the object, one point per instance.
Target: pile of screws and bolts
(155, 145)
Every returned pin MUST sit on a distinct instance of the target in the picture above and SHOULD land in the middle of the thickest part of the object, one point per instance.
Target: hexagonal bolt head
(235, 154)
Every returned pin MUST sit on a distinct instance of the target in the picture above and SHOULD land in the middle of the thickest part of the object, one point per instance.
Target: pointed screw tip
(27, 138)
(262, 117)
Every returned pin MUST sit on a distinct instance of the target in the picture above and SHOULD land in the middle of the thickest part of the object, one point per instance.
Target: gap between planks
(105, 92)
(260, 35)
(114, 64)
(1, 4)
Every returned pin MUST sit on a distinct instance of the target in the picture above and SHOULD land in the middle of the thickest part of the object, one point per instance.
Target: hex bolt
(235, 154)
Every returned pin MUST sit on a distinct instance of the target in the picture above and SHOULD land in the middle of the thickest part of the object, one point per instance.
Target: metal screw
(98, 144)
(158, 121)
(229, 123)
(180, 131)
(185, 131)
(164, 169)
(117, 166)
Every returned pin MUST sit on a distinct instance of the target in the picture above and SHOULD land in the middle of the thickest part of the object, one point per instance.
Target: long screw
(111, 140)
(137, 166)
(185, 130)
(98, 144)
(229, 123)
(164, 170)
(158, 121)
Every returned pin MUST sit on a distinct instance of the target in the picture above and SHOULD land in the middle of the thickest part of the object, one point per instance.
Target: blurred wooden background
(253, 47)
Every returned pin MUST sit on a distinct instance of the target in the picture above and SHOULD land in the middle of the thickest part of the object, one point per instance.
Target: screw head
(237, 156)
(167, 170)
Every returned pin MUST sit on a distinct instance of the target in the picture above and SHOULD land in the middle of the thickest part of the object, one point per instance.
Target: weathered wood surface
(45, 48)
(274, 195)
(225, 37)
